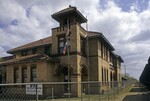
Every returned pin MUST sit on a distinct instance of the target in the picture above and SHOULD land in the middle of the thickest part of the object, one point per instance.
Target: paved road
(138, 93)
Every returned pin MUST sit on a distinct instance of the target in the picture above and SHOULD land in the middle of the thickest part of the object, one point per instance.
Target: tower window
(83, 46)
(65, 21)
(61, 44)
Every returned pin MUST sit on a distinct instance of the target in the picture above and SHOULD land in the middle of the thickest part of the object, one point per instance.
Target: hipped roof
(48, 40)
(92, 34)
(117, 56)
(70, 10)
(45, 41)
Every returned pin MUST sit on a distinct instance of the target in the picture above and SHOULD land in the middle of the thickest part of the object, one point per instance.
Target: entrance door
(66, 78)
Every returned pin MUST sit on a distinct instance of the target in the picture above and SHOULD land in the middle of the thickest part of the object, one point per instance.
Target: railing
(63, 28)
(58, 91)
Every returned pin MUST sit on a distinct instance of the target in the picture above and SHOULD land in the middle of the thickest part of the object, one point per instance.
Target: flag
(67, 36)
(65, 48)
(67, 33)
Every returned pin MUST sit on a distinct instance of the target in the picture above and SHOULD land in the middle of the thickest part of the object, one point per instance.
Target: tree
(1, 59)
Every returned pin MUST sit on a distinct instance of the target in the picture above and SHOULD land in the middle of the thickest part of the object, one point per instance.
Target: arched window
(24, 73)
(33, 72)
(84, 71)
(16, 74)
(102, 74)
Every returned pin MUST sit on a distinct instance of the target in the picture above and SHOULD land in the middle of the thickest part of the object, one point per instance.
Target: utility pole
(125, 70)
(68, 43)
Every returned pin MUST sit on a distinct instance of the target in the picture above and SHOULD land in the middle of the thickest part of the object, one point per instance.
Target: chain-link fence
(62, 91)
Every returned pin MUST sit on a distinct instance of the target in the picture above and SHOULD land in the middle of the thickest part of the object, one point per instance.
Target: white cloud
(10, 10)
(121, 28)
(32, 20)
(3, 52)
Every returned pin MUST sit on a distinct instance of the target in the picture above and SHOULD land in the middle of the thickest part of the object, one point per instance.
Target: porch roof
(30, 58)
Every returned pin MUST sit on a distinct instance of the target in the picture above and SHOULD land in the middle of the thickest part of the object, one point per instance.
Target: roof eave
(118, 56)
(26, 59)
(113, 49)
(57, 16)
(121, 60)
(13, 51)
(101, 36)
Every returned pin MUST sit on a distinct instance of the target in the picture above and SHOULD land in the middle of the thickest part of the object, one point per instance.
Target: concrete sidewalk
(138, 93)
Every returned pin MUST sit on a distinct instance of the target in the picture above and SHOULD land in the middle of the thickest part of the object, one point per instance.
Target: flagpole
(88, 59)
(67, 36)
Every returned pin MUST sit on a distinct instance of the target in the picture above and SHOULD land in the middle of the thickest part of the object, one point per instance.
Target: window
(105, 51)
(24, 53)
(102, 49)
(34, 51)
(65, 21)
(48, 50)
(16, 74)
(61, 43)
(24, 74)
(107, 75)
(111, 58)
(102, 75)
(33, 73)
(83, 46)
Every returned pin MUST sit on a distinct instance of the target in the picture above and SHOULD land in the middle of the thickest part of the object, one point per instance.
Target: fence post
(36, 92)
(52, 93)
(81, 91)
(99, 91)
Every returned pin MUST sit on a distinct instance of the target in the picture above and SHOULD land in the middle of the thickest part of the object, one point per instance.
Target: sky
(125, 23)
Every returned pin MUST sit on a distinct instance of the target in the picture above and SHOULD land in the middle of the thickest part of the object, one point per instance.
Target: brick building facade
(44, 61)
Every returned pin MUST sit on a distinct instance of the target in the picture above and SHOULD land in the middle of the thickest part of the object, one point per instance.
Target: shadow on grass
(141, 89)
(137, 97)
(140, 93)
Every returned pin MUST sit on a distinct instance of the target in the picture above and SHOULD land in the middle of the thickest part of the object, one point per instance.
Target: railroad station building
(44, 61)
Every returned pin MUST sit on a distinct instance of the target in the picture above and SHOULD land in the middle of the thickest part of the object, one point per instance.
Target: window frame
(33, 73)
(16, 74)
(24, 52)
(34, 51)
(60, 49)
(48, 49)
(24, 74)
(83, 46)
